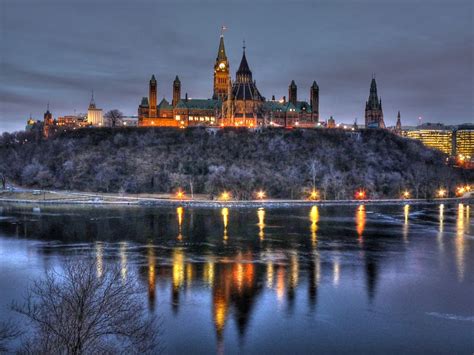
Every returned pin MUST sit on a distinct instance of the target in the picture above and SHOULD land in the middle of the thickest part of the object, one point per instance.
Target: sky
(421, 51)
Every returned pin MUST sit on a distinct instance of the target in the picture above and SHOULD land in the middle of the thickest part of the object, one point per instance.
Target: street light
(314, 195)
(180, 194)
(261, 195)
(441, 193)
(361, 195)
(406, 194)
(225, 196)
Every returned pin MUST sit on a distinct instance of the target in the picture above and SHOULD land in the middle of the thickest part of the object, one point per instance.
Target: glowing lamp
(261, 195)
(360, 195)
(441, 193)
(406, 194)
(314, 195)
(180, 194)
(225, 196)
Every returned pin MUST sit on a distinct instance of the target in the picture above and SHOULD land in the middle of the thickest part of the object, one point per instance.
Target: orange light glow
(361, 195)
(441, 193)
(225, 196)
(261, 195)
(314, 195)
(406, 194)
(180, 194)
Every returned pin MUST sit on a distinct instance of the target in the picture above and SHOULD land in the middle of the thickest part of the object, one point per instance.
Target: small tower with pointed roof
(221, 72)
(153, 93)
(314, 101)
(398, 125)
(292, 93)
(176, 91)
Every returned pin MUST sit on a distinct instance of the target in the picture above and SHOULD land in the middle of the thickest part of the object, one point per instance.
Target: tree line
(284, 163)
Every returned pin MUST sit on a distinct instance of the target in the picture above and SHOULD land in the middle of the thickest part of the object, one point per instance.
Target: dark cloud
(57, 51)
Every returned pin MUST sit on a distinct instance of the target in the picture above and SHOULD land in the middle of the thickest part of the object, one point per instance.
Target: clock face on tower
(222, 66)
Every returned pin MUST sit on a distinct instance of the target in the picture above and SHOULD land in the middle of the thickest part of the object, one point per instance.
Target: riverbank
(37, 197)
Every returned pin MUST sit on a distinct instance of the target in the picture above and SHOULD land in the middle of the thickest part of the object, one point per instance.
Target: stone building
(233, 103)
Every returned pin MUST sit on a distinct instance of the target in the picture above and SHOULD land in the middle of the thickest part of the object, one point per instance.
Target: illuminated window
(178, 117)
(201, 119)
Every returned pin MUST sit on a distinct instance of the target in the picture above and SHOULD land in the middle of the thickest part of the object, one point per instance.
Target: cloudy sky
(58, 51)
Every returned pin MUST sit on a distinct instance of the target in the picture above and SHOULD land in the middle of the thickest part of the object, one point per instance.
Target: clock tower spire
(221, 71)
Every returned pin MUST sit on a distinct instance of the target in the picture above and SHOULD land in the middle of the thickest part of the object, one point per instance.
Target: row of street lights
(314, 194)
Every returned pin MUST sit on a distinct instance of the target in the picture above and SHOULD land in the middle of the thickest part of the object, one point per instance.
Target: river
(359, 279)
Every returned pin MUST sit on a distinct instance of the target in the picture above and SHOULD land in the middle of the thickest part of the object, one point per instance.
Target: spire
(244, 74)
(153, 78)
(176, 80)
(398, 116)
(92, 103)
(292, 84)
(315, 86)
(221, 56)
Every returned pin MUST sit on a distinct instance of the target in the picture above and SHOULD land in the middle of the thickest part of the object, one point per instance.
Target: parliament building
(236, 103)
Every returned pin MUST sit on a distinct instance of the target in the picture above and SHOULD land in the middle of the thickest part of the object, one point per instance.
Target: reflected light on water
(225, 220)
(261, 223)
(179, 213)
(151, 273)
(123, 259)
(314, 218)
(336, 272)
(99, 254)
(360, 221)
(270, 273)
(209, 273)
(294, 267)
(460, 242)
(280, 284)
(441, 227)
(178, 268)
(406, 212)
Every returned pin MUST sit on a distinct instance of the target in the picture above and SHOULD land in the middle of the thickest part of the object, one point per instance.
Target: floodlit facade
(464, 140)
(95, 116)
(234, 103)
(437, 138)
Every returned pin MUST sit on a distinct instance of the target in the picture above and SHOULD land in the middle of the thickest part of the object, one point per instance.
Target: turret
(292, 93)
(314, 100)
(176, 91)
(153, 93)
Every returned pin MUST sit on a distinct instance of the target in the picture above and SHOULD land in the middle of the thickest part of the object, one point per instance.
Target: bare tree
(3, 180)
(8, 332)
(78, 311)
(114, 117)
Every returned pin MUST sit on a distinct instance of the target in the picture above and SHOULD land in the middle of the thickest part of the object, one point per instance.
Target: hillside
(285, 163)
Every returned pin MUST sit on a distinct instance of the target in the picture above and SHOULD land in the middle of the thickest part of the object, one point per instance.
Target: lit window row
(202, 118)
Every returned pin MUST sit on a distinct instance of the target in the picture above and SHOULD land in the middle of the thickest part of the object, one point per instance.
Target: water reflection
(179, 213)
(314, 217)
(460, 242)
(280, 263)
(406, 213)
(151, 258)
(360, 221)
(99, 252)
(225, 221)
(261, 223)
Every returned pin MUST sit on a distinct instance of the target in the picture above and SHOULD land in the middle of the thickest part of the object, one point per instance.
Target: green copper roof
(203, 104)
(165, 105)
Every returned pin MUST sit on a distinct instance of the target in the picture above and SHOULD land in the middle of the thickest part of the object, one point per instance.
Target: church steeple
(373, 108)
(221, 72)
